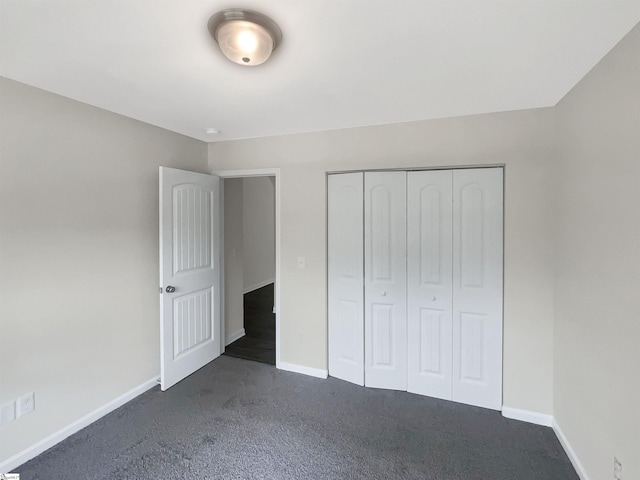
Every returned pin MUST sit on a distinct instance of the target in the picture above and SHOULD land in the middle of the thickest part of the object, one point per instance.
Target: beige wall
(259, 230)
(597, 330)
(521, 140)
(233, 257)
(78, 255)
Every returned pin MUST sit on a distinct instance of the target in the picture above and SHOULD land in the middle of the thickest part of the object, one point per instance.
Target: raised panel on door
(385, 280)
(477, 286)
(345, 277)
(429, 283)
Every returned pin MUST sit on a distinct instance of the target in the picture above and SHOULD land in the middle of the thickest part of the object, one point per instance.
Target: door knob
(433, 299)
(170, 289)
(383, 294)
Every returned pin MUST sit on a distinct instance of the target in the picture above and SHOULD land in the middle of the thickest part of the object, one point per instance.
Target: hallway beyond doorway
(259, 342)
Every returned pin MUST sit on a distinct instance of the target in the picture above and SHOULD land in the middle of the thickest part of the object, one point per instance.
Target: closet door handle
(383, 294)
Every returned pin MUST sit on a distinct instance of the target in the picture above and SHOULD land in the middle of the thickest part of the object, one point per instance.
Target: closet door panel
(429, 283)
(385, 280)
(345, 277)
(477, 286)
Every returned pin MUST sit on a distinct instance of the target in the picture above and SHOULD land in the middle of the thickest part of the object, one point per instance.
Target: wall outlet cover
(25, 404)
(7, 413)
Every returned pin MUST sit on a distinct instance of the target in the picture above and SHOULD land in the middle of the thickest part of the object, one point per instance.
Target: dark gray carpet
(236, 419)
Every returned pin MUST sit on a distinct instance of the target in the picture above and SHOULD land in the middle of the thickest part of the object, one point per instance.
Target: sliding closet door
(385, 280)
(477, 287)
(345, 275)
(429, 283)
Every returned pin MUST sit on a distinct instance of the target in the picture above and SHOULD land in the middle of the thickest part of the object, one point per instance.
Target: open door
(190, 273)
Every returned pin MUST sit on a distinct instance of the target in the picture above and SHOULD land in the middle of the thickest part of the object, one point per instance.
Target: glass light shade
(245, 42)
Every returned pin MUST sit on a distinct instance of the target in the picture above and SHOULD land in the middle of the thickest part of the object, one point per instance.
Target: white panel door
(345, 274)
(477, 286)
(429, 283)
(385, 280)
(189, 273)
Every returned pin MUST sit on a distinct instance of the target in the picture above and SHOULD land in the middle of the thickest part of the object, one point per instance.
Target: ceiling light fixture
(244, 36)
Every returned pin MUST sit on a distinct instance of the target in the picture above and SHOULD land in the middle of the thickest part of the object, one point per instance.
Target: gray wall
(259, 230)
(522, 140)
(597, 328)
(78, 255)
(233, 258)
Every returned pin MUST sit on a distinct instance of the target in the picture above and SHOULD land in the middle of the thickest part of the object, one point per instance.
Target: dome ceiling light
(244, 36)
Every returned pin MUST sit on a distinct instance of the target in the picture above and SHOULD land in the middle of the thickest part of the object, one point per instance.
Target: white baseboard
(548, 421)
(56, 437)
(312, 372)
(528, 416)
(234, 336)
(259, 285)
(575, 461)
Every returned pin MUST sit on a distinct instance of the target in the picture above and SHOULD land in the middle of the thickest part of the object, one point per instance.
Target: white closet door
(429, 283)
(477, 287)
(346, 290)
(385, 280)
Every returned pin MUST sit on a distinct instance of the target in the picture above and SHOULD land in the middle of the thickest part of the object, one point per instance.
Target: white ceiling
(342, 63)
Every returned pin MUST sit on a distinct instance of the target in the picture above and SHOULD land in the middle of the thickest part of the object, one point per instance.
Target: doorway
(251, 265)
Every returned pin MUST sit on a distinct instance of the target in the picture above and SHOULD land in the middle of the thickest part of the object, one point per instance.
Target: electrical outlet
(25, 404)
(7, 413)
(617, 469)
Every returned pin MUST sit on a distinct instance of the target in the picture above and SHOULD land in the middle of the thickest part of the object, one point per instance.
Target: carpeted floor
(236, 419)
(259, 342)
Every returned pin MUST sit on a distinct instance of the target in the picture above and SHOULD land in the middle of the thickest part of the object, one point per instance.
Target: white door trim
(264, 172)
